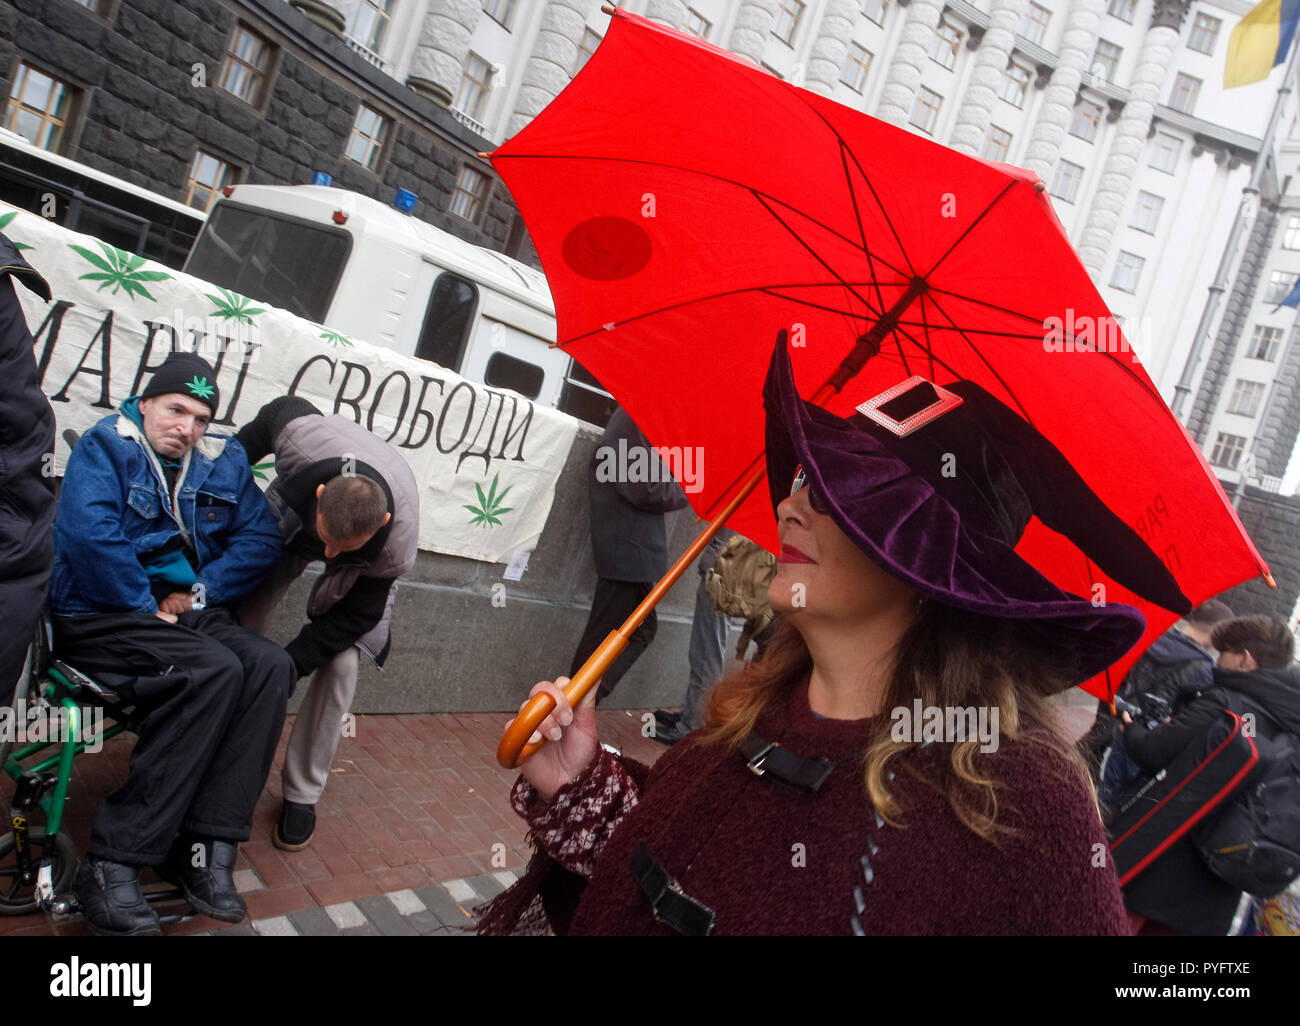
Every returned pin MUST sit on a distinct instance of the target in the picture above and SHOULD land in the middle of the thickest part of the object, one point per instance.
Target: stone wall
(139, 114)
(1273, 522)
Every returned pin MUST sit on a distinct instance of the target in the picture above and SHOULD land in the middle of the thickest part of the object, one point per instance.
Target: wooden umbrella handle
(514, 751)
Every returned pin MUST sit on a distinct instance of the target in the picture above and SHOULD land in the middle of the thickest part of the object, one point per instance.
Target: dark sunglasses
(799, 483)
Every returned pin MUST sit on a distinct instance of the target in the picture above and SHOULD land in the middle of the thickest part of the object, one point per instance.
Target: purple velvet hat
(937, 485)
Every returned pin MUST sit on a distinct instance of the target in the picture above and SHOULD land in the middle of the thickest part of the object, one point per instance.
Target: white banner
(486, 460)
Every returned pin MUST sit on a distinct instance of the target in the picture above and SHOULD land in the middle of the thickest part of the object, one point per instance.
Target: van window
(447, 320)
(272, 258)
(585, 398)
(506, 371)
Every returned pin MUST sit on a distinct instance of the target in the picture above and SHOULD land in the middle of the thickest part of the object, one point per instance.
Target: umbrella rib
(933, 359)
(874, 195)
(779, 220)
(985, 303)
(970, 228)
(925, 333)
(857, 216)
(1007, 388)
(704, 299)
(719, 178)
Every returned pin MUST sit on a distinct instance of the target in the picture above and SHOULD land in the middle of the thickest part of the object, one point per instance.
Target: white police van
(372, 272)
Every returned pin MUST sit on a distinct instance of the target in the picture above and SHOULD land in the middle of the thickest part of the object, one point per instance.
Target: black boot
(296, 826)
(111, 900)
(209, 886)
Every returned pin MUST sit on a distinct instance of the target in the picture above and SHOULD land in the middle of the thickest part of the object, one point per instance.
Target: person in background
(629, 541)
(26, 475)
(161, 530)
(345, 496)
(1255, 673)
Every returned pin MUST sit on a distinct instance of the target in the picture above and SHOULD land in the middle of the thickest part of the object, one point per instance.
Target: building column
(976, 111)
(904, 78)
(1130, 136)
(668, 12)
(754, 21)
(438, 64)
(1078, 45)
(826, 61)
(331, 15)
(549, 65)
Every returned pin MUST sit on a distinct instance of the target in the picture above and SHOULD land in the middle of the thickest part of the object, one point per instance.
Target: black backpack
(1253, 842)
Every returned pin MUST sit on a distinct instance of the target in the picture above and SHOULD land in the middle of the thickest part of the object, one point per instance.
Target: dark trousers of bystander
(611, 604)
(214, 697)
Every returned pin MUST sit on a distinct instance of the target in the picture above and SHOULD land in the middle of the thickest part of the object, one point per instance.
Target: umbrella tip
(1040, 186)
(608, 9)
(484, 155)
(1268, 579)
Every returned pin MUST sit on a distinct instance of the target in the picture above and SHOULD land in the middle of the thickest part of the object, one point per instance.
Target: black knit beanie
(186, 374)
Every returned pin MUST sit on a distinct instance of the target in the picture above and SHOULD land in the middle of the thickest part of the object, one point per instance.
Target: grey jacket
(351, 603)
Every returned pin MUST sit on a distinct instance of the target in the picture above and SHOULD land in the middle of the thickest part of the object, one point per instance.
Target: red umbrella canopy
(686, 206)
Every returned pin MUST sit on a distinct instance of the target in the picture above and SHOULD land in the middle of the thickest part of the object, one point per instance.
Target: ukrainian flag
(1260, 42)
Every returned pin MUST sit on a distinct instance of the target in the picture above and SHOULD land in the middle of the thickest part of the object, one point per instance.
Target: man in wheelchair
(160, 529)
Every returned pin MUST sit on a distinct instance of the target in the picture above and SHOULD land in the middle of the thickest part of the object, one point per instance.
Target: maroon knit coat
(769, 860)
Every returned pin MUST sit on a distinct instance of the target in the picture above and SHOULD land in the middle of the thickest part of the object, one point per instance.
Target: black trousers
(612, 603)
(214, 697)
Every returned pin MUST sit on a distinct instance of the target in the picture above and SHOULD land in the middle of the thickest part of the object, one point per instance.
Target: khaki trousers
(319, 724)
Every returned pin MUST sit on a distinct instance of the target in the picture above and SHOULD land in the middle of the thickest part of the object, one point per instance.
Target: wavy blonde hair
(948, 657)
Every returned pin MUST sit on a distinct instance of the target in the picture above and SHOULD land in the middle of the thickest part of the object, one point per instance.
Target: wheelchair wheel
(19, 900)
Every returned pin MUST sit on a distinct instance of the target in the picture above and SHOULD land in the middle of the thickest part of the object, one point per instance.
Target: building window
(1186, 89)
(1205, 33)
(1164, 152)
(1227, 450)
(471, 98)
(788, 15)
(1065, 183)
(1128, 269)
(243, 69)
(1280, 284)
(208, 176)
(1124, 10)
(367, 139)
(944, 45)
(471, 191)
(500, 11)
(370, 19)
(586, 47)
(997, 144)
(1105, 62)
(1087, 119)
(1291, 237)
(1015, 85)
(1246, 397)
(1034, 27)
(925, 113)
(39, 107)
(1264, 343)
(856, 65)
(1146, 212)
(875, 10)
(698, 25)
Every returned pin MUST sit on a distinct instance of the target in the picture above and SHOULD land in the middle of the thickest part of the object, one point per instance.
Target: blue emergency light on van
(405, 200)
(321, 178)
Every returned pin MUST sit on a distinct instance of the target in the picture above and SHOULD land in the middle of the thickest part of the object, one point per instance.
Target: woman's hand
(572, 736)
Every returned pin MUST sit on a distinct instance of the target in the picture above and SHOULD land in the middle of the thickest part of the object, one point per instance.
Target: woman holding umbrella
(842, 785)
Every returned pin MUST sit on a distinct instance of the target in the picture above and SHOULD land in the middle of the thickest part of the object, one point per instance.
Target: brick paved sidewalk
(414, 829)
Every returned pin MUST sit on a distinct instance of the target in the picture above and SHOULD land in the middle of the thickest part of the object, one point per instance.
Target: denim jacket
(114, 511)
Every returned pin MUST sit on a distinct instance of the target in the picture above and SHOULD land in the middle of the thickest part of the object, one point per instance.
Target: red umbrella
(687, 205)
